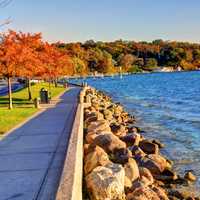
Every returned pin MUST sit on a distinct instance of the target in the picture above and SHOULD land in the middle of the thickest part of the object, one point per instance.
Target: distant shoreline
(126, 74)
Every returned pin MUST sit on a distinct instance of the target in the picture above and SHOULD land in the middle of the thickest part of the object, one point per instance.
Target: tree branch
(5, 22)
(3, 4)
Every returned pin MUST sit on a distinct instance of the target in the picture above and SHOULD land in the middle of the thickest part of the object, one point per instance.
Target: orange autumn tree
(63, 64)
(56, 62)
(29, 61)
(9, 52)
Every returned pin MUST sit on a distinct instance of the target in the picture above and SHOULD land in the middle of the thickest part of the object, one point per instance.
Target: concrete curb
(70, 186)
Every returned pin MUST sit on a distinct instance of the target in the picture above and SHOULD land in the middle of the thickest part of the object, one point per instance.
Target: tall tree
(56, 63)
(127, 61)
(29, 62)
(9, 49)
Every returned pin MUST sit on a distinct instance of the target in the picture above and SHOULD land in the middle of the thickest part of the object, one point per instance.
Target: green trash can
(44, 96)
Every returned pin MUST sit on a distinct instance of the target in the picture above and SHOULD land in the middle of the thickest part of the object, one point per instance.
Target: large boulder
(87, 149)
(142, 193)
(161, 160)
(149, 147)
(88, 114)
(136, 151)
(141, 182)
(98, 157)
(145, 179)
(106, 183)
(100, 125)
(109, 142)
(124, 116)
(119, 120)
(190, 176)
(131, 139)
(167, 176)
(121, 155)
(100, 116)
(118, 129)
(160, 192)
(108, 115)
(91, 119)
(95, 104)
(131, 172)
(118, 110)
(133, 129)
(144, 172)
(155, 163)
(92, 135)
(130, 120)
(160, 144)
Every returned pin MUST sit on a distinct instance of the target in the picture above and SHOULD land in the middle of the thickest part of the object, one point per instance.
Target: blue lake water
(167, 107)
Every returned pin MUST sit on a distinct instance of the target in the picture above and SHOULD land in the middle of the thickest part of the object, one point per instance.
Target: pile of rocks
(119, 163)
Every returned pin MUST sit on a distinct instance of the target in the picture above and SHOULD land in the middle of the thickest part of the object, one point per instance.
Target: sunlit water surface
(167, 107)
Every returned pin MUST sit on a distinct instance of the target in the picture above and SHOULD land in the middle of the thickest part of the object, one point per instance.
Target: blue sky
(107, 20)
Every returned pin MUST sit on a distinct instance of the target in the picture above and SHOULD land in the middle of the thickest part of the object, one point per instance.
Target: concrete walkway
(32, 156)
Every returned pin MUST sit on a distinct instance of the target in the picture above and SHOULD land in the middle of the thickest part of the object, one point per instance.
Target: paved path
(32, 156)
(4, 88)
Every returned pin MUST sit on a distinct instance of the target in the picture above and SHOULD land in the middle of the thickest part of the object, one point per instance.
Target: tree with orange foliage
(56, 62)
(19, 56)
(9, 51)
(29, 61)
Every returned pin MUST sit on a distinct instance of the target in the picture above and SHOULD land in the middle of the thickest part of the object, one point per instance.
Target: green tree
(151, 63)
(79, 66)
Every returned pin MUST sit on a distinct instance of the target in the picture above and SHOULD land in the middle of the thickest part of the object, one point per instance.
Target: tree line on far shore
(131, 56)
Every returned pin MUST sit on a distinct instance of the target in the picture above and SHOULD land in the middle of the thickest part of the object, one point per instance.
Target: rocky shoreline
(120, 163)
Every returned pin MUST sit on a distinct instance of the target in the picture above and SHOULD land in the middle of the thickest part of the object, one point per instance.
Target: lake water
(167, 107)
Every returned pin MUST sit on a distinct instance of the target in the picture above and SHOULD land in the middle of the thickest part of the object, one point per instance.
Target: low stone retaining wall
(70, 186)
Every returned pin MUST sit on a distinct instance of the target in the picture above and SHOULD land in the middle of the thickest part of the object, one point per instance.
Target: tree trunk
(49, 84)
(10, 106)
(29, 89)
(56, 82)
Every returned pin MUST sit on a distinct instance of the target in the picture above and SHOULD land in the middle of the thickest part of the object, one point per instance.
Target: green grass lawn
(22, 107)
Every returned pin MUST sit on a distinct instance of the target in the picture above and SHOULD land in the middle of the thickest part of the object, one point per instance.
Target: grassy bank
(23, 107)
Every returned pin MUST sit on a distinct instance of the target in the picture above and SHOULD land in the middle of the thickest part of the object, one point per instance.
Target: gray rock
(155, 163)
(149, 147)
(131, 172)
(98, 157)
(131, 139)
(121, 155)
(160, 145)
(167, 176)
(136, 151)
(144, 172)
(142, 193)
(190, 176)
(160, 192)
(118, 129)
(106, 182)
(100, 125)
(109, 142)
